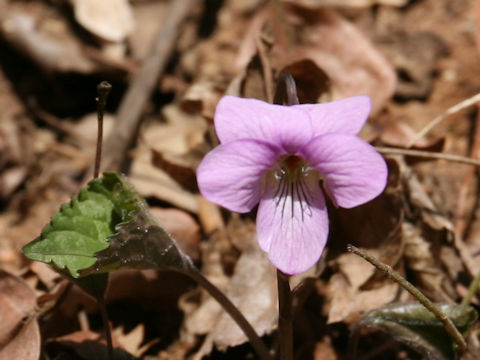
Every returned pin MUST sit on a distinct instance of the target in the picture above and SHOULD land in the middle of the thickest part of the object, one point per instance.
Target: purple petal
(354, 171)
(345, 116)
(292, 223)
(231, 174)
(239, 118)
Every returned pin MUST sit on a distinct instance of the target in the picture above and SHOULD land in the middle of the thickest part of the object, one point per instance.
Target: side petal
(239, 118)
(292, 223)
(354, 171)
(345, 116)
(231, 174)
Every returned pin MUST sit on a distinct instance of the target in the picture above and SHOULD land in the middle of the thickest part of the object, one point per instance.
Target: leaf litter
(400, 53)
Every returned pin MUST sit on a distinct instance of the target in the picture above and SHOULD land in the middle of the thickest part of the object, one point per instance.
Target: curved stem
(286, 91)
(232, 310)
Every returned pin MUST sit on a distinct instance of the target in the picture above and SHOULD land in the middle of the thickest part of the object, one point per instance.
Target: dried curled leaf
(418, 328)
(140, 244)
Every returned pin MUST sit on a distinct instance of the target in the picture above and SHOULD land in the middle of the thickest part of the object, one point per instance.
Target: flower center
(292, 167)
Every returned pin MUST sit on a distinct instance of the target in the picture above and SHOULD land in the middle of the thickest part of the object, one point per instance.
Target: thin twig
(138, 93)
(452, 110)
(232, 310)
(472, 290)
(392, 274)
(103, 89)
(427, 155)
(461, 217)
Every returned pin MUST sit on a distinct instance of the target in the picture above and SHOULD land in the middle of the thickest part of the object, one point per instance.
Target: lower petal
(231, 174)
(292, 223)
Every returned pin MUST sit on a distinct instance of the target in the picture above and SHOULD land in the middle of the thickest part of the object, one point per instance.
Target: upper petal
(345, 116)
(292, 223)
(286, 126)
(230, 175)
(354, 171)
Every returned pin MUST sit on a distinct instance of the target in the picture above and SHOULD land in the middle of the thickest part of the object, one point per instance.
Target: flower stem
(106, 326)
(441, 316)
(285, 317)
(103, 89)
(472, 290)
(286, 91)
(232, 310)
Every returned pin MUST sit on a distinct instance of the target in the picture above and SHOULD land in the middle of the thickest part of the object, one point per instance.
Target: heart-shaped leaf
(418, 328)
(107, 215)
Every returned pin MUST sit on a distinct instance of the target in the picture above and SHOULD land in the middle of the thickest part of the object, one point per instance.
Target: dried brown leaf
(19, 333)
(348, 303)
(45, 38)
(85, 345)
(111, 20)
(336, 46)
(253, 290)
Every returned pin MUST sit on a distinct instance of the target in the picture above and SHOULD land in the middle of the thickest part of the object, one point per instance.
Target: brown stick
(133, 103)
(461, 216)
(427, 155)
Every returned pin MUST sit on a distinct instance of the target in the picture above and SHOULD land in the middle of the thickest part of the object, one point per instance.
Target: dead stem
(452, 110)
(392, 274)
(427, 155)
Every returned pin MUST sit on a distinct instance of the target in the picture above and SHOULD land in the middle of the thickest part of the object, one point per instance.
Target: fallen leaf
(423, 257)
(252, 289)
(85, 345)
(336, 46)
(110, 20)
(45, 38)
(132, 340)
(415, 57)
(348, 303)
(19, 333)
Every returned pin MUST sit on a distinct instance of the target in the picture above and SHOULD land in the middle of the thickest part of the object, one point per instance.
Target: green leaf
(81, 228)
(106, 227)
(418, 328)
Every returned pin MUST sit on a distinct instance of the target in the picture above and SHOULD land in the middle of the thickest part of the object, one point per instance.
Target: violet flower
(277, 155)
